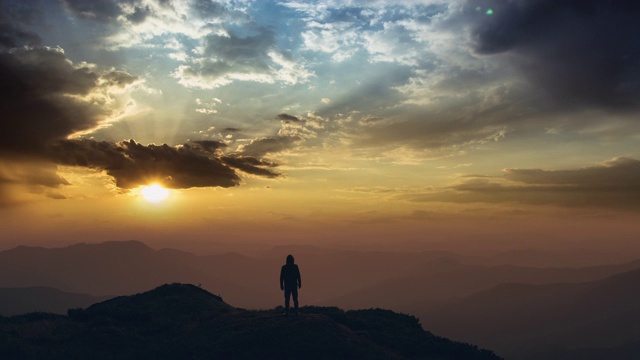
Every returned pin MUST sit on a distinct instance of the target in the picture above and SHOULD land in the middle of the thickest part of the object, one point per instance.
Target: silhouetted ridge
(181, 321)
(166, 302)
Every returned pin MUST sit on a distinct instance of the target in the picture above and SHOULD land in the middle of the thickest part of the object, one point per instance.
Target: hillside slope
(186, 322)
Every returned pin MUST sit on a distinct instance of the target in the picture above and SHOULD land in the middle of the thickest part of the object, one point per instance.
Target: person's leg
(287, 297)
(294, 292)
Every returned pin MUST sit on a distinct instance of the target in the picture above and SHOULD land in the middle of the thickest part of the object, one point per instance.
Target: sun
(154, 193)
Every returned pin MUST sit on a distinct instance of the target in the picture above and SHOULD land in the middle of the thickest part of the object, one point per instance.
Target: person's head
(289, 259)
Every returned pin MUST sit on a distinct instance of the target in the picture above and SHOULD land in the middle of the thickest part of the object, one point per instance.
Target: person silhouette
(290, 282)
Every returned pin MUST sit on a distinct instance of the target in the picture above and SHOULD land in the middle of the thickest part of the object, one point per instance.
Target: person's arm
(299, 278)
(282, 278)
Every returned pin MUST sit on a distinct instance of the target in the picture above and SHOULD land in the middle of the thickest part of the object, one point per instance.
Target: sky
(319, 122)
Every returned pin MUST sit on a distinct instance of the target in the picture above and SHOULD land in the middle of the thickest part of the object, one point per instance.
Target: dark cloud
(110, 10)
(44, 97)
(208, 9)
(581, 52)
(34, 106)
(288, 118)
(11, 16)
(11, 37)
(209, 145)
(23, 174)
(539, 61)
(118, 78)
(139, 14)
(28, 171)
(101, 10)
(23, 12)
(251, 165)
(132, 164)
(250, 53)
(617, 174)
(247, 54)
(615, 184)
(261, 147)
(231, 130)
(40, 98)
(445, 133)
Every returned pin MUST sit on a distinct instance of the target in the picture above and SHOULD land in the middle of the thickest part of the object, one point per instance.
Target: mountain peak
(164, 303)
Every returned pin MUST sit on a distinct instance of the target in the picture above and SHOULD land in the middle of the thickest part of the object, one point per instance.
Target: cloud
(132, 164)
(616, 174)
(579, 52)
(614, 184)
(111, 11)
(45, 97)
(230, 56)
(210, 146)
(457, 77)
(268, 145)
(251, 165)
(340, 39)
(26, 171)
(208, 9)
(288, 118)
(21, 175)
(101, 10)
(11, 35)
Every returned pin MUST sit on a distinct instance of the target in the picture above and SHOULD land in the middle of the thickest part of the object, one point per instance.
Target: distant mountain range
(551, 321)
(110, 268)
(439, 281)
(186, 322)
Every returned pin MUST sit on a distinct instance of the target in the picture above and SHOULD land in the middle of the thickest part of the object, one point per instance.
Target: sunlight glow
(154, 193)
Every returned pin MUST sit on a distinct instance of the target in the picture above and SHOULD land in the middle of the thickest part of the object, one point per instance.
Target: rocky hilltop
(180, 321)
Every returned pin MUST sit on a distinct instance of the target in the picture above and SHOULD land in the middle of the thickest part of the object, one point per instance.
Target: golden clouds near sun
(154, 193)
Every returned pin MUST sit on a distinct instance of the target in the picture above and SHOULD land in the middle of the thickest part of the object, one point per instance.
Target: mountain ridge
(183, 321)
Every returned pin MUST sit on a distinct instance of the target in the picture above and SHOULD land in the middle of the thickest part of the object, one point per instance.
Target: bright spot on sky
(490, 12)
(154, 193)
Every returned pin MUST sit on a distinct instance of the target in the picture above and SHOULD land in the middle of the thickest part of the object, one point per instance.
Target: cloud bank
(615, 184)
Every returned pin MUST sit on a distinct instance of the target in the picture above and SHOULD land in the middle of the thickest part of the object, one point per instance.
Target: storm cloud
(579, 52)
